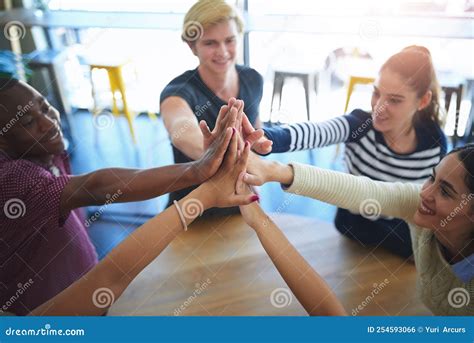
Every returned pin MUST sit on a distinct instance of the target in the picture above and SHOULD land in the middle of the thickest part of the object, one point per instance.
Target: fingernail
(233, 131)
(247, 143)
(255, 198)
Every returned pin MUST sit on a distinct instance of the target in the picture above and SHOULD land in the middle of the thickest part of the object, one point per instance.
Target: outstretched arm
(135, 185)
(308, 135)
(111, 276)
(356, 193)
(96, 291)
(307, 285)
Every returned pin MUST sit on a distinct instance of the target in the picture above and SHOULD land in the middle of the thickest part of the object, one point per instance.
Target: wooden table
(219, 268)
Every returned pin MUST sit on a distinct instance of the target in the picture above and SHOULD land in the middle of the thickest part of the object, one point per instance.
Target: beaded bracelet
(181, 216)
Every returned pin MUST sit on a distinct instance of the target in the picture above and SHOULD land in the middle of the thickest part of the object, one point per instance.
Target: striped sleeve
(308, 135)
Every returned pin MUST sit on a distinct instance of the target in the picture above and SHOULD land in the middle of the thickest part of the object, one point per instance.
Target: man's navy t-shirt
(206, 104)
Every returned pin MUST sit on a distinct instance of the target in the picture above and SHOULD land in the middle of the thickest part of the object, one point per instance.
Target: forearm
(115, 272)
(355, 193)
(279, 172)
(188, 140)
(280, 136)
(308, 135)
(309, 288)
(126, 185)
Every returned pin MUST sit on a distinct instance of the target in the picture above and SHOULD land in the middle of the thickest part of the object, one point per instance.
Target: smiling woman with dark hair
(439, 213)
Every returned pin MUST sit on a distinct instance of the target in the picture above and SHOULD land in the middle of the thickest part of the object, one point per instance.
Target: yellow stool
(117, 84)
(355, 80)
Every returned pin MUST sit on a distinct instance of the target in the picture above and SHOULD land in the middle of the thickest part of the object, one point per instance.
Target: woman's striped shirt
(366, 152)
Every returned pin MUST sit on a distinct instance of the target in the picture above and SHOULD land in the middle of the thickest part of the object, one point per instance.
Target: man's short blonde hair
(206, 13)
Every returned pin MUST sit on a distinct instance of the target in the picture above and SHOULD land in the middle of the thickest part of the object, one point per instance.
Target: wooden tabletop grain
(219, 268)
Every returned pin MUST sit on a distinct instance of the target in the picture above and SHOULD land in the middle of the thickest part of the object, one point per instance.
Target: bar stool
(469, 133)
(117, 85)
(305, 77)
(353, 81)
(449, 91)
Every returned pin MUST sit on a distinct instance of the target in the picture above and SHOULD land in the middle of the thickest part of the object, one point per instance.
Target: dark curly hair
(466, 156)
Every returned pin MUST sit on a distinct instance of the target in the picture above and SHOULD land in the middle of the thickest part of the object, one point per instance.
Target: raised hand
(259, 143)
(209, 163)
(222, 123)
(219, 191)
(218, 141)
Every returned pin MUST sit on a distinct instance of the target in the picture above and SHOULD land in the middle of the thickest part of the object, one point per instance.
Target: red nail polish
(255, 198)
(233, 131)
